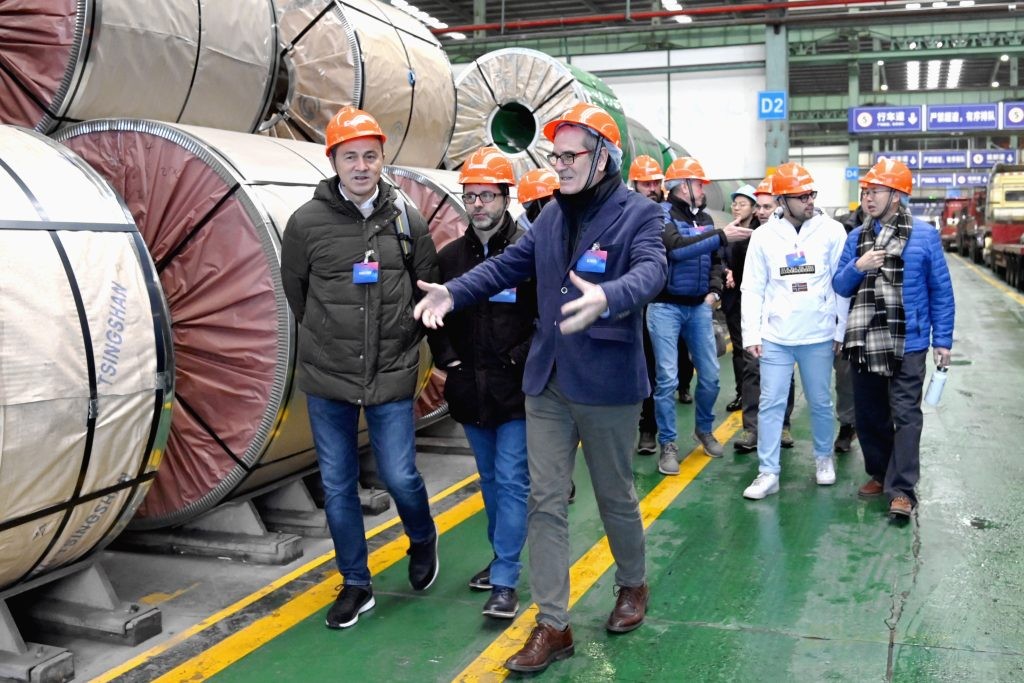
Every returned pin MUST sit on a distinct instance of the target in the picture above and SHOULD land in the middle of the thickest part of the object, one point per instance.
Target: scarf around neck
(876, 330)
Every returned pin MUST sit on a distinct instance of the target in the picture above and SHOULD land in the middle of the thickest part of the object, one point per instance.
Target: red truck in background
(1003, 229)
(952, 210)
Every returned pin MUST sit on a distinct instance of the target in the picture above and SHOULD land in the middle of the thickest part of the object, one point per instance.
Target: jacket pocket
(609, 333)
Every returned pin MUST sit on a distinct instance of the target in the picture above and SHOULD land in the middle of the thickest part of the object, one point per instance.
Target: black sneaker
(481, 581)
(350, 603)
(685, 396)
(735, 404)
(572, 491)
(423, 563)
(503, 603)
(844, 441)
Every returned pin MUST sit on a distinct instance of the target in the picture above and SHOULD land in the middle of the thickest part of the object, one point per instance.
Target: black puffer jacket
(357, 343)
(491, 340)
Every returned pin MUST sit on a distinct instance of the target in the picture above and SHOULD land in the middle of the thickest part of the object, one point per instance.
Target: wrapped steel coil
(205, 62)
(85, 359)
(371, 55)
(211, 206)
(643, 141)
(505, 97)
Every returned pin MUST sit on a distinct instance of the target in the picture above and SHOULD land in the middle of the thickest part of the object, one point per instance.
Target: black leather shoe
(423, 563)
(685, 396)
(503, 603)
(735, 404)
(350, 603)
(481, 581)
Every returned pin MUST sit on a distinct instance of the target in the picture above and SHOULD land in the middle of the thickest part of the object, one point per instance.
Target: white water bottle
(935, 386)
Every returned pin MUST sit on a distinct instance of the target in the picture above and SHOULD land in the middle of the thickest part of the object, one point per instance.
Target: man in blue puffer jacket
(683, 308)
(895, 268)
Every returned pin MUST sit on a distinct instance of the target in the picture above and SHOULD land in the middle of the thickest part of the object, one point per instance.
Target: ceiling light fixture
(683, 18)
(995, 84)
(967, 3)
(934, 73)
(1004, 58)
(913, 75)
(913, 5)
(953, 75)
(940, 5)
(456, 35)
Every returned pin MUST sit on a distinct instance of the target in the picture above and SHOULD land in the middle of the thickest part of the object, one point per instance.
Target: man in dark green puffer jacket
(348, 260)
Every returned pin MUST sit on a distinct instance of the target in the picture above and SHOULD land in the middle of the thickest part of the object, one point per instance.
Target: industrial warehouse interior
(163, 515)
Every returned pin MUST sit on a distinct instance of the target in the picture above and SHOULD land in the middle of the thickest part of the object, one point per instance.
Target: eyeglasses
(567, 158)
(806, 197)
(485, 197)
(873, 192)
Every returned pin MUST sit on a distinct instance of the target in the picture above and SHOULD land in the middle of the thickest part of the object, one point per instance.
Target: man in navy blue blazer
(597, 257)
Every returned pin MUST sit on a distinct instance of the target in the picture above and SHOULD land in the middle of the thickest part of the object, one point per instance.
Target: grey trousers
(845, 411)
(554, 427)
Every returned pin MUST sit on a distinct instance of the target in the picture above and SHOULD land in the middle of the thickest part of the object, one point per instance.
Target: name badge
(365, 273)
(797, 258)
(594, 260)
(505, 296)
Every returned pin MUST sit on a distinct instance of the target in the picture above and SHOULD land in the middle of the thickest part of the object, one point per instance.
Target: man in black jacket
(483, 348)
(348, 260)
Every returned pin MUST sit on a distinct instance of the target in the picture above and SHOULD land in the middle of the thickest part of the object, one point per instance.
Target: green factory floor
(812, 584)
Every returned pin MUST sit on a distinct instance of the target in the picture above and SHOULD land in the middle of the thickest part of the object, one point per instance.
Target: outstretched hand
(582, 312)
(435, 304)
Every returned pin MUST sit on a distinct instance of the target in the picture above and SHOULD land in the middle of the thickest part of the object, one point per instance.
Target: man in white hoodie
(791, 315)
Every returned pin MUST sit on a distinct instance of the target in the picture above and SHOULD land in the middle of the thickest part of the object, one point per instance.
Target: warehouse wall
(712, 113)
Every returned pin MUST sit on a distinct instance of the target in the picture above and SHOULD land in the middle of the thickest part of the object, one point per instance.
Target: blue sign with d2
(771, 105)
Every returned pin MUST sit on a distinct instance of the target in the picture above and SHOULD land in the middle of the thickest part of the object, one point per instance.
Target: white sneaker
(765, 484)
(826, 471)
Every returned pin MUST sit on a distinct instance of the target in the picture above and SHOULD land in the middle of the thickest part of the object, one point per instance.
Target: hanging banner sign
(987, 158)
(885, 119)
(963, 117)
(911, 159)
(943, 158)
(1013, 115)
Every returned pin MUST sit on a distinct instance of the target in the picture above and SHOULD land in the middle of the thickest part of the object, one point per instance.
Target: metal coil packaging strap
(85, 359)
(205, 62)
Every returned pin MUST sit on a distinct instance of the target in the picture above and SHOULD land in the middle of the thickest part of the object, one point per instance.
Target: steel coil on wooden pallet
(85, 359)
(211, 206)
(204, 62)
(371, 55)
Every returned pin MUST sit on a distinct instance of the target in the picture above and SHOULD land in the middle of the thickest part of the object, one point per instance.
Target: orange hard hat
(791, 178)
(686, 168)
(487, 166)
(350, 123)
(890, 173)
(765, 186)
(537, 184)
(645, 169)
(590, 116)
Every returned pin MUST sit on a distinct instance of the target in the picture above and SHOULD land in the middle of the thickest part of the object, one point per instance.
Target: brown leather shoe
(546, 644)
(871, 489)
(900, 507)
(630, 609)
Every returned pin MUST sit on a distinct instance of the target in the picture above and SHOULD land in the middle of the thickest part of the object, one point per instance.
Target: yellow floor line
(253, 636)
(489, 666)
(990, 278)
(239, 605)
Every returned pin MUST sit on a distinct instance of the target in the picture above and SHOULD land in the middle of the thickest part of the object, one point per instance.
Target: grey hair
(614, 152)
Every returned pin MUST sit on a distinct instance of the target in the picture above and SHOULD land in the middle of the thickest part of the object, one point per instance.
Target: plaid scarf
(877, 327)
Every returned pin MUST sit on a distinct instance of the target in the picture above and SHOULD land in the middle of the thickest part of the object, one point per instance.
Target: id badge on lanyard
(593, 260)
(366, 272)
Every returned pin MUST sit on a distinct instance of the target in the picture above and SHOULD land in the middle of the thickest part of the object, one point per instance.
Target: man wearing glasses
(596, 255)
(791, 315)
(895, 269)
(483, 350)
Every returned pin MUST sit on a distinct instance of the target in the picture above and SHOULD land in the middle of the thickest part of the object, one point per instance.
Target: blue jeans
(505, 483)
(335, 425)
(667, 323)
(815, 361)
